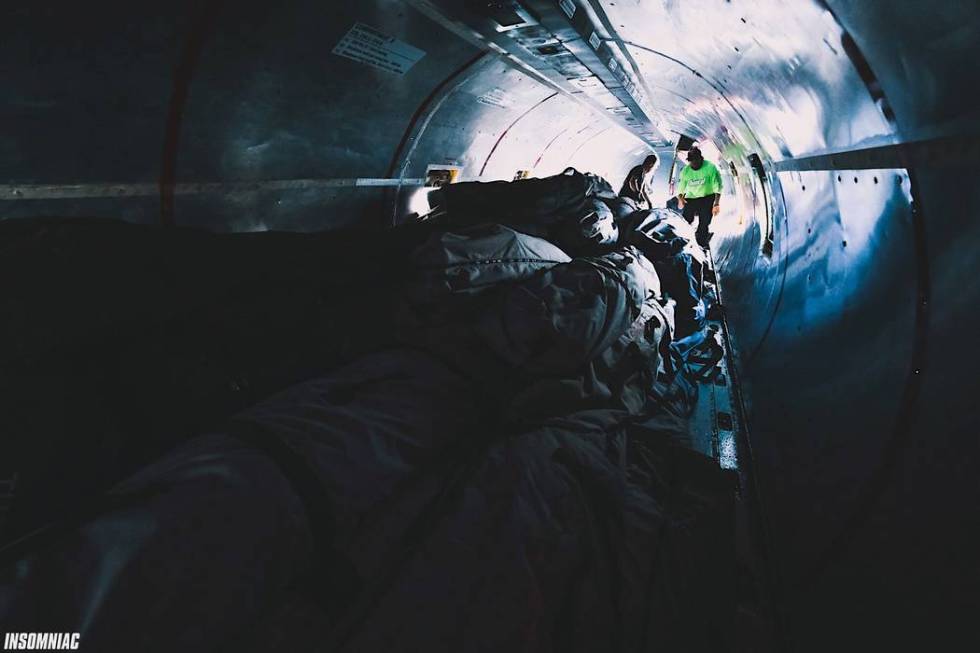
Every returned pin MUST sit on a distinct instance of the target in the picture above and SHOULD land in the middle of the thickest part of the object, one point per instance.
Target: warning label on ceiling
(367, 45)
(568, 6)
(496, 97)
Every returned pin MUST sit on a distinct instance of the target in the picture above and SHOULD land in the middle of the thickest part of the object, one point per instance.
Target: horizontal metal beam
(9, 192)
(933, 152)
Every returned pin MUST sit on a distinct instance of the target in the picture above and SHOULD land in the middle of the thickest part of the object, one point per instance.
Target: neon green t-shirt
(699, 183)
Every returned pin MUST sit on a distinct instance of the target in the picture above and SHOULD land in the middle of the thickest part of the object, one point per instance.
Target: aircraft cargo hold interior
(363, 327)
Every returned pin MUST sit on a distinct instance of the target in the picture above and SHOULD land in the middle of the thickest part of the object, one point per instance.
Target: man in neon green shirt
(699, 193)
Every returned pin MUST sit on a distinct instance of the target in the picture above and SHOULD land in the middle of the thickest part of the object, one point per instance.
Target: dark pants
(700, 208)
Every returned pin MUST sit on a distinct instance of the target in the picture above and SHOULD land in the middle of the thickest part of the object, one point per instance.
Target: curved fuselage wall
(853, 332)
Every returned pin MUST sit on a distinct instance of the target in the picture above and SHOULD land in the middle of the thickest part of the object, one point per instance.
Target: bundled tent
(568, 208)
(472, 259)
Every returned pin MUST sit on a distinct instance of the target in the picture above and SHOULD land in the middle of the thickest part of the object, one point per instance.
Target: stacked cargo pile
(457, 434)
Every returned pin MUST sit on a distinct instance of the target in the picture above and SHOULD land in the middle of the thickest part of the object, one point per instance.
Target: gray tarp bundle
(488, 471)
(569, 208)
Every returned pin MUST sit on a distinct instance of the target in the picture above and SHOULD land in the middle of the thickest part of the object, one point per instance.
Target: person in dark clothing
(699, 193)
(635, 186)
